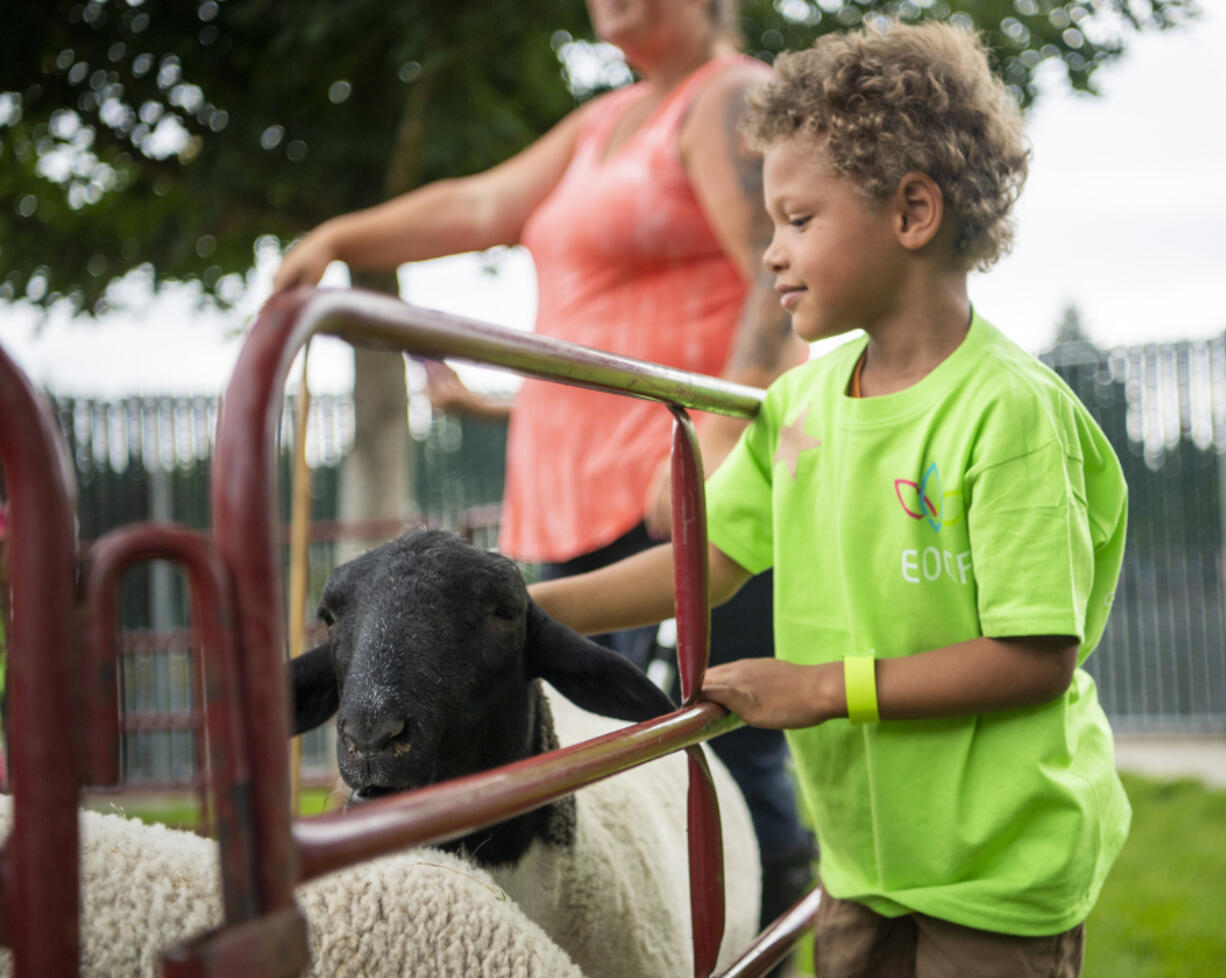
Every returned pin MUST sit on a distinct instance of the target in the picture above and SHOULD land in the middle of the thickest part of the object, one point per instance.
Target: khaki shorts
(851, 941)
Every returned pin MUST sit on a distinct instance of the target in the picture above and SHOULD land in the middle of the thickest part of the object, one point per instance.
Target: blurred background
(156, 159)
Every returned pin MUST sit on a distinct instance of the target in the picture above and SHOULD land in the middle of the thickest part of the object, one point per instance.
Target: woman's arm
(982, 675)
(442, 218)
(727, 179)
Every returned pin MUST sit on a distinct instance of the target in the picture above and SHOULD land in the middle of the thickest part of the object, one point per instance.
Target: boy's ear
(919, 208)
(587, 674)
(314, 696)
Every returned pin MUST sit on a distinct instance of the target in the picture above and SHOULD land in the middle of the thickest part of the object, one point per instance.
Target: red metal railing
(246, 702)
(39, 902)
(244, 486)
(470, 523)
(229, 777)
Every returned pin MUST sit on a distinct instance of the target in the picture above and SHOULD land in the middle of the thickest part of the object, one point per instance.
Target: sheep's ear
(587, 674)
(313, 693)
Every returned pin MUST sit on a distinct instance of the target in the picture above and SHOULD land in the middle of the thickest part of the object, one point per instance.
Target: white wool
(423, 912)
(615, 905)
(418, 913)
(619, 901)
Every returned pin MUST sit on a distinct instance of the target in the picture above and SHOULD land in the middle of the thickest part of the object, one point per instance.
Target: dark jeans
(740, 629)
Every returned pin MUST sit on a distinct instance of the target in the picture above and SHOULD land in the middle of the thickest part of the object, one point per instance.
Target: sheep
(436, 666)
(422, 912)
(598, 882)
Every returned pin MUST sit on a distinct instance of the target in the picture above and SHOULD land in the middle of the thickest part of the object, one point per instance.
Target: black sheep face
(425, 637)
(432, 648)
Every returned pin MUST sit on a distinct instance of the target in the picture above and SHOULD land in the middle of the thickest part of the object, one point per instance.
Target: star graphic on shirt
(793, 441)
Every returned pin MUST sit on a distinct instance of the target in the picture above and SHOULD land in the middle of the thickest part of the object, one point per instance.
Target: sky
(1122, 216)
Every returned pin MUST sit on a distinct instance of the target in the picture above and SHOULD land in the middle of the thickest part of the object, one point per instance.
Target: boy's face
(834, 253)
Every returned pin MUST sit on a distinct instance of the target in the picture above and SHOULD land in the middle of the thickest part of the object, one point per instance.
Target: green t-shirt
(983, 500)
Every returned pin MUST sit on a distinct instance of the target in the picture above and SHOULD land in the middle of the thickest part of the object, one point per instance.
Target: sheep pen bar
(429, 815)
(39, 900)
(244, 486)
(239, 573)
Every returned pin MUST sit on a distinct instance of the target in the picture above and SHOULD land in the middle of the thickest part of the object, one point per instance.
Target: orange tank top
(625, 262)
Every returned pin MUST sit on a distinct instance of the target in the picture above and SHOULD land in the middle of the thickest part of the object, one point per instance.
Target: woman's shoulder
(729, 77)
(738, 67)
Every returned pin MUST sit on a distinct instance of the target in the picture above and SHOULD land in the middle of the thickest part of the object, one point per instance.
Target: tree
(1021, 34)
(177, 138)
(173, 137)
(1070, 328)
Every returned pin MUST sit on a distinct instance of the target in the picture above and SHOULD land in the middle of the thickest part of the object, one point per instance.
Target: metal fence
(235, 573)
(1161, 665)
(150, 459)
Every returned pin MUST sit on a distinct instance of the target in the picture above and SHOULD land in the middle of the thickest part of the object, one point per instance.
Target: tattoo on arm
(748, 165)
(762, 334)
(764, 327)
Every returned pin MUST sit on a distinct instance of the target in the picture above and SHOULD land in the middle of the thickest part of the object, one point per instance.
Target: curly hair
(896, 98)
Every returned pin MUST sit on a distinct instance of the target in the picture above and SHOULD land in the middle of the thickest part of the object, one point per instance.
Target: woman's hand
(445, 389)
(306, 262)
(777, 695)
(448, 393)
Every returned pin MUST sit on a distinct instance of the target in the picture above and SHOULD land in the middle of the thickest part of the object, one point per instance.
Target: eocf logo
(925, 500)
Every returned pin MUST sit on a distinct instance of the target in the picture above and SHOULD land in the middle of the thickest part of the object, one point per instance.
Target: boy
(946, 525)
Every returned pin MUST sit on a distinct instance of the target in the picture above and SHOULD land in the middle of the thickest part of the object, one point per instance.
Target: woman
(643, 213)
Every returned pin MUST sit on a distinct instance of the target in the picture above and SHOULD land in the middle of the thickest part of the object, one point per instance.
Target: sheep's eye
(326, 616)
(507, 612)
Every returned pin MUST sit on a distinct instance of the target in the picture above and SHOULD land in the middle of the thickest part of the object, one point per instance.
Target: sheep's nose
(369, 735)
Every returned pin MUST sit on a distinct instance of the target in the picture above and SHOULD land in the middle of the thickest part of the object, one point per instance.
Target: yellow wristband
(860, 680)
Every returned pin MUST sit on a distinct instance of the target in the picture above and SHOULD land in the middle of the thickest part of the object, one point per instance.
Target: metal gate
(1161, 665)
(234, 583)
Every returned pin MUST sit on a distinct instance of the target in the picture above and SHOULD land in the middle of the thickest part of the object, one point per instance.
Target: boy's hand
(777, 695)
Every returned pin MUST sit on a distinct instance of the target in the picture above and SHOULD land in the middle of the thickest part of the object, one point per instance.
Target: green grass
(182, 811)
(1162, 913)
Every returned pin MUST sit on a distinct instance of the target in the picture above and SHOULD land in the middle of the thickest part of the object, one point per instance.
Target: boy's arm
(632, 592)
(982, 675)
